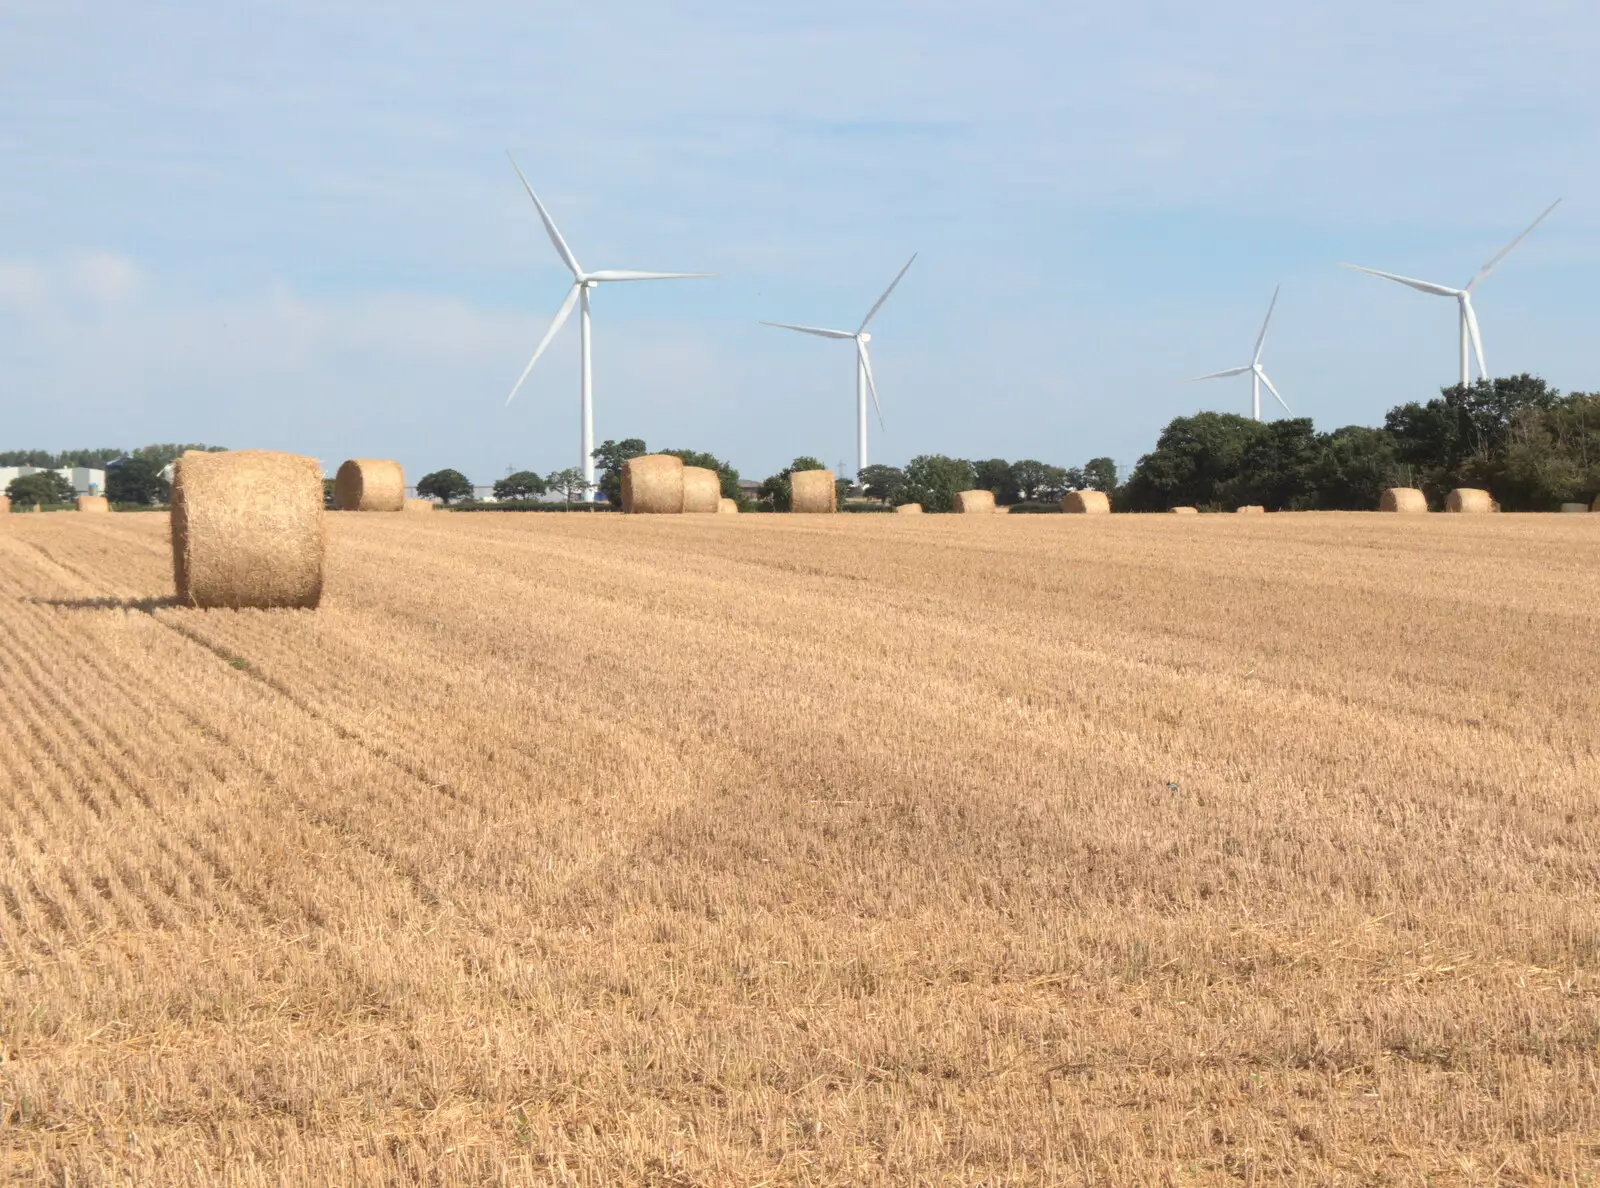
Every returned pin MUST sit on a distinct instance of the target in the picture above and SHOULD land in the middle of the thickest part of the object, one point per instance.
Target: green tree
(444, 485)
(996, 475)
(41, 487)
(1193, 458)
(608, 457)
(1459, 439)
(136, 480)
(570, 485)
(933, 480)
(1100, 474)
(163, 453)
(523, 484)
(775, 490)
(728, 476)
(881, 482)
(1276, 468)
(1354, 465)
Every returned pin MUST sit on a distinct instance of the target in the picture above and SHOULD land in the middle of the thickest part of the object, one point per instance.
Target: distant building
(85, 480)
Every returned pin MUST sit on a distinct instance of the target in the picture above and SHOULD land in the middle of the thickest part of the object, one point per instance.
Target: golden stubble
(758, 849)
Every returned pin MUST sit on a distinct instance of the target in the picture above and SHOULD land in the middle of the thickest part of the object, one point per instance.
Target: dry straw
(1575, 507)
(369, 484)
(1002, 509)
(1596, 506)
(1403, 499)
(652, 484)
(728, 507)
(5, 505)
(1251, 509)
(1469, 500)
(702, 490)
(93, 503)
(247, 529)
(812, 491)
(975, 503)
(419, 505)
(1086, 503)
(909, 509)
(1183, 511)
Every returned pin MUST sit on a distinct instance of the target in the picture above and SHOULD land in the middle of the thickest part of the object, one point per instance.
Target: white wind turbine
(1468, 319)
(864, 380)
(1258, 376)
(582, 282)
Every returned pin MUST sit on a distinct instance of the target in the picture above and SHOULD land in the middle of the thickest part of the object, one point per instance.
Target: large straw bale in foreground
(369, 484)
(1086, 503)
(1574, 507)
(652, 485)
(1251, 509)
(909, 509)
(702, 489)
(1469, 500)
(1403, 499)
(728, 507)
(419, 505)
(247, 529)
(1183, 511)
(93, 503)
(812, 491)
(975, 503)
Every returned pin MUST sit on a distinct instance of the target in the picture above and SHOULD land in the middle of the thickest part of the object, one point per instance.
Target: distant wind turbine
(582, 282)
(1257, 375)
(1468, 319)
(864, 380)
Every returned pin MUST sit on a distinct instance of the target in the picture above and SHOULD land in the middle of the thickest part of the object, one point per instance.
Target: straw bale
(652, 484)
(1183, 511)
(5, 505)
(812, 491)
(93, 503)
(1403, 499)
(702, 489)
(728, 507)
(1468, 500)
(1575, 507)
(1596, 506)
(1251, 509)
(975, 503)
(369, 484)
(419, 505)
(909, 509)
(247, 529)
(1086, 503)
(1002, 509)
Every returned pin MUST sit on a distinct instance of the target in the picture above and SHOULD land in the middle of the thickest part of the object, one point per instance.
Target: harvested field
(807, 850)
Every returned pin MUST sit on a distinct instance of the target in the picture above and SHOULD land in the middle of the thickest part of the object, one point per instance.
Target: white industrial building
(85, 480)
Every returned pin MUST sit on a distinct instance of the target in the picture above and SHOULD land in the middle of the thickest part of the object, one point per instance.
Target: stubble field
(812, 850)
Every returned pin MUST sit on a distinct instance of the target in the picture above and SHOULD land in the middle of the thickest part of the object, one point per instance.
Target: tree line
(132, 476)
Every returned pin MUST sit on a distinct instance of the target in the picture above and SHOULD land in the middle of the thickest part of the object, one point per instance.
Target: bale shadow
(144, 606)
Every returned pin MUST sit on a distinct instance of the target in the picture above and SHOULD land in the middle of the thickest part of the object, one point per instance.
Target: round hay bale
(1086, 503)
(1468, 501)
(419, 505)
(5, 505)
(93, 503)
(909, 509)
(1574, 507)
(1002, 509)
(728, 507)
(974, 503)
(369, 484)
(702, 489)
(1403, 499)
(812, 491)
(652, 485)
(1183, 511)
(247, 529)
(1596, 505)
(1251, 509)
(38, 507)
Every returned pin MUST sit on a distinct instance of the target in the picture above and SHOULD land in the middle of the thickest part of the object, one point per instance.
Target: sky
(292, 225)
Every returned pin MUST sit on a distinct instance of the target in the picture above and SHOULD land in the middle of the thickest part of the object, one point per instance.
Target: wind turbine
(1468, 319)
(1258, 376)
(582, 282)
(864, 380)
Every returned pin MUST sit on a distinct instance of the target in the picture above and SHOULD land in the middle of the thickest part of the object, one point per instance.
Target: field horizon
(561, 849)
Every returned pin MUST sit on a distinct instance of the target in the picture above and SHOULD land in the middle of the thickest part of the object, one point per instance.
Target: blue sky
(292, 225)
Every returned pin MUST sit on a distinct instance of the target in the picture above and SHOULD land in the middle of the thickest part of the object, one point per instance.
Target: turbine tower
(582, 282)
(1258, 376)
(864, 380)
(1468, 319)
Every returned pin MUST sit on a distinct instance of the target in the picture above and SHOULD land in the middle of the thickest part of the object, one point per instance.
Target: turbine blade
(1274, 392)
(1262, 337)
(627, 274)
(1477, 339)
(1425, 286)
(1506, 251)
(561, 247)
(555, 324)
(872, 384)
(873, 312)
(1219, 374)
(811, 330)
